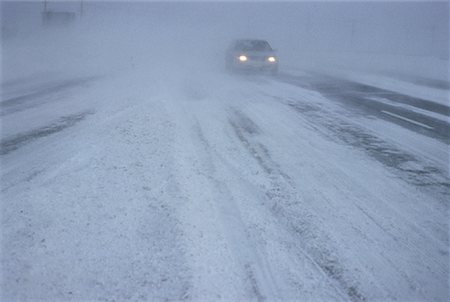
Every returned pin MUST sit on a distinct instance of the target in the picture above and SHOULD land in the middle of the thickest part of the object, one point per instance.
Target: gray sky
(394, 27)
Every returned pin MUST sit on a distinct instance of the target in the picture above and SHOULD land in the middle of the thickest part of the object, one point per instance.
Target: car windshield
(253, 45)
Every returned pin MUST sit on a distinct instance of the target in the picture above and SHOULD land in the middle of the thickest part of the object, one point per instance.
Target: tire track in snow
(281, 192)
(411, 274)
(257, 271)
(223, 257)
(406, 165)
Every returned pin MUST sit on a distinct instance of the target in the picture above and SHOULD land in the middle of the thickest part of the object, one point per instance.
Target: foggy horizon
(315, 35)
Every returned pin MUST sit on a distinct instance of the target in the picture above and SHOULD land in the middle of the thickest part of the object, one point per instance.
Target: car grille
(257, 58)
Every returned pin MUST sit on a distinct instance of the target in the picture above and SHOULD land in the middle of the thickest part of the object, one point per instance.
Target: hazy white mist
(174, 37)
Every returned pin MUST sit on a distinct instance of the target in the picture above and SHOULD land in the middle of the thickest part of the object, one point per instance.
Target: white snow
(213, 187)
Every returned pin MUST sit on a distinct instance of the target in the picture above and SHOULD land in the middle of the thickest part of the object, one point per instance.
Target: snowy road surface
(222, 188)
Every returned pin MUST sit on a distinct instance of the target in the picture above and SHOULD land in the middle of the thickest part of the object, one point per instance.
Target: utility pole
(81, 8)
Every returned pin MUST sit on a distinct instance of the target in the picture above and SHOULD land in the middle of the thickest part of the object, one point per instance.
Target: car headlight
(271, 59)
(243, 58)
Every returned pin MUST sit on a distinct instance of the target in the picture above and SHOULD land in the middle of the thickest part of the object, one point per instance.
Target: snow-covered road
(214, 187)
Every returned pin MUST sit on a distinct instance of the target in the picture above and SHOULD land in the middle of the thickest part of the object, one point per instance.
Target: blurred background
(408, 38)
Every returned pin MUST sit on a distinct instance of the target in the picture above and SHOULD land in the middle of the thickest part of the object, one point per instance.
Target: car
(251, 55)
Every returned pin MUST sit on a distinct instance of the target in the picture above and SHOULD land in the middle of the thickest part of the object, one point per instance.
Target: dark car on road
(251, 55)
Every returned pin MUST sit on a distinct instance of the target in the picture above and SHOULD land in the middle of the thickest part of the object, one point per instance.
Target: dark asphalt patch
(8, 145)
(331, 86)
(34, 98)
(362, 99)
